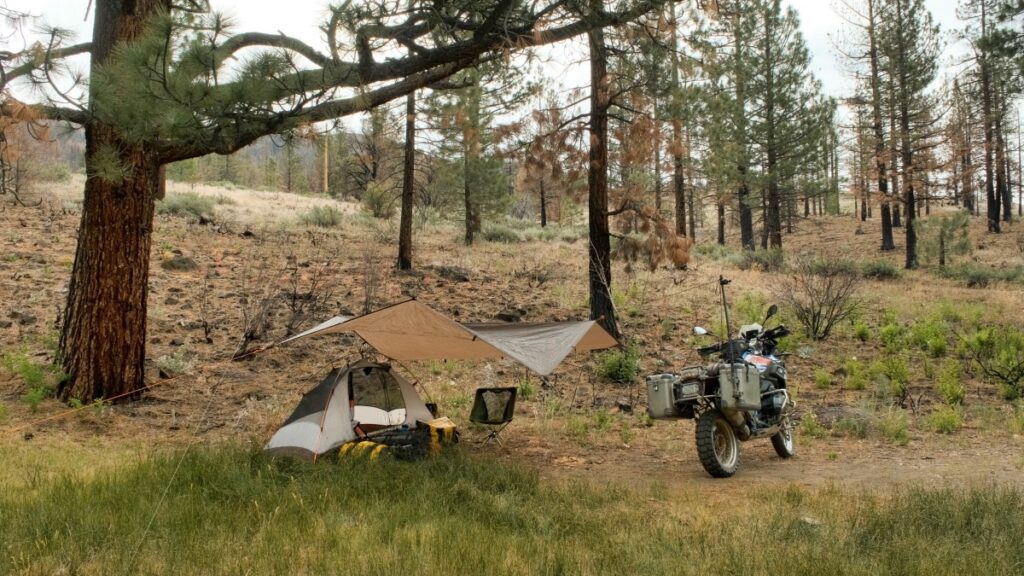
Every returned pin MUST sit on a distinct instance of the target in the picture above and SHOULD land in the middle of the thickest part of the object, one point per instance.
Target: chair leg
(495, 434)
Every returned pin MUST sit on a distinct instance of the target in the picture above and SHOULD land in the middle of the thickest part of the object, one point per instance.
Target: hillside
(258, 251)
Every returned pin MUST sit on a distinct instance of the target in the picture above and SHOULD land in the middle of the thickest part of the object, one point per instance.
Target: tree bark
(103, 335)
(600, 274)
(408, 185)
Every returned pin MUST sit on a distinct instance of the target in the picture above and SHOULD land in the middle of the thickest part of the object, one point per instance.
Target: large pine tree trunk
(103, 336)
(103, 340)
(408, 185)
(600, 276)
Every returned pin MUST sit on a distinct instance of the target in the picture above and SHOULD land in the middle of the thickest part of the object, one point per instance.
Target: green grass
(230, 511)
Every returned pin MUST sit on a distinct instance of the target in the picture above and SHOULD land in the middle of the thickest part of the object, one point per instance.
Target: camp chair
(493, 408)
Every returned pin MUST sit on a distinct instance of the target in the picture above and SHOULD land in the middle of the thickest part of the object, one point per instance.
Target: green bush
(998, 351)
(39, 380)
(891, 336)
(379, 201)
(501, 233)
(621, 365)
(893, 373)
(770, 260)
(893, 426)
(945, 420)
(950, 387)
(714, 251)
(931, 336)
(862, 331)
(187, 205)
(856, 375)
(526, 389)
(810, 427)
(977, 276)
(853, 425)
(881, 270)
(822, 379)
(321, 216)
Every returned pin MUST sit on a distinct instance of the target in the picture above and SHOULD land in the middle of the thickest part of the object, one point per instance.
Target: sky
(821, 26)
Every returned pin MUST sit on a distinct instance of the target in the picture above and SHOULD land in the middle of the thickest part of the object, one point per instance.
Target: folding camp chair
(493, 408)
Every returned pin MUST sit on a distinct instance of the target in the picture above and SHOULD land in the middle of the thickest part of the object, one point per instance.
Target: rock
(176, 342)
(511, 315)
(179, 263)
(174, 290)
(452, 273)
(6, 323)
(171, 301)
(23, 318)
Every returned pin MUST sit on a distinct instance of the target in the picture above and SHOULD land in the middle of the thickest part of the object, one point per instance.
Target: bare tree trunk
(103, 335)
(601, 306)
(408, 185)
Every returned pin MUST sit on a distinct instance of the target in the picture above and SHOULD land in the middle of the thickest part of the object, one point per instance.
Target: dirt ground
(572, 427)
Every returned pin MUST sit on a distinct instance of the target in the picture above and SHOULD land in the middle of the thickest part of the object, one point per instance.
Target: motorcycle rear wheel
(718, 446)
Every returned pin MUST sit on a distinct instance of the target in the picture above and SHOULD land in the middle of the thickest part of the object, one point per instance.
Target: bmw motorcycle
(740, 395)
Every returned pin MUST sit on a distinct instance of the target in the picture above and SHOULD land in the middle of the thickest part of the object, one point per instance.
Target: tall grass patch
(231, 511)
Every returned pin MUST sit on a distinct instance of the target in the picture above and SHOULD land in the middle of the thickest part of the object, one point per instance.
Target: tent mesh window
(376, 388)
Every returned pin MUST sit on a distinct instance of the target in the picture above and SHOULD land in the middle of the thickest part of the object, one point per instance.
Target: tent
(412, 330)
(406, 331)
(325, 418)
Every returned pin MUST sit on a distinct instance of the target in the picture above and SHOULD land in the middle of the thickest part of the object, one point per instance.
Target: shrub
(379, 201)
(999, 353)
(891, 336)
(3, 412)
(931, 336)
(945, 420)
(854, 425)
(40, 380)
(822, 379)
(862, 331)
(856, 375)
(501, 233)
(771, 260)
(949, 385)
(881, 270)
(526, 389)
(321, 216)
(893, 426)
(821, 294)
(810, 427)
(713, 251)
(620, 365)
(976, 276)
(187, 205)
(894, 374)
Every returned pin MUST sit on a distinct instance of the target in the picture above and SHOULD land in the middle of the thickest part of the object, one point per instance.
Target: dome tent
(365, 393)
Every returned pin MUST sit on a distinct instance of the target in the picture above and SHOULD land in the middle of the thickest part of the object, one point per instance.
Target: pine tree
(168, 57)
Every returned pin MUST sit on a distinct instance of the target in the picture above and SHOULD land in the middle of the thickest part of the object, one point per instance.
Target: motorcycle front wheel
(718, 447)
(783, 442)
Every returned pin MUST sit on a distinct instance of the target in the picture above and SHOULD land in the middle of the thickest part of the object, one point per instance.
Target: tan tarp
(412, 330)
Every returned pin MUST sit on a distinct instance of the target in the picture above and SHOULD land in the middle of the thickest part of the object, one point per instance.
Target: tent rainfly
(412, 330)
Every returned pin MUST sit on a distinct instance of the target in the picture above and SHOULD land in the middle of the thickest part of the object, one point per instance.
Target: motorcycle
(742, 395)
